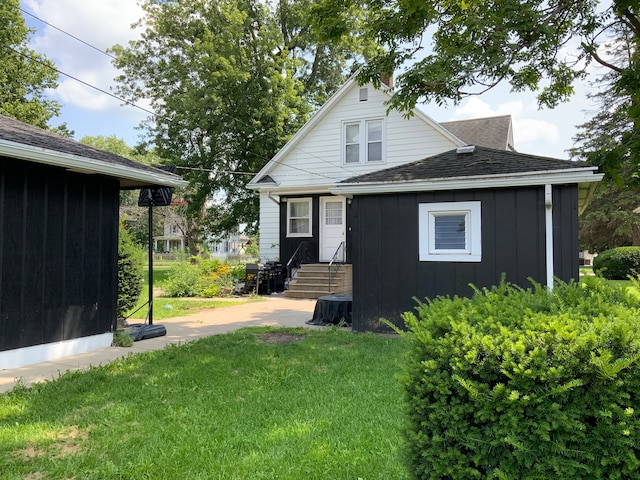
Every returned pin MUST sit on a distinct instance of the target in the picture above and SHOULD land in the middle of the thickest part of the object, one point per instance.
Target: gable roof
(491, 132)
(26, 142)
(259, 180)
(475, 167)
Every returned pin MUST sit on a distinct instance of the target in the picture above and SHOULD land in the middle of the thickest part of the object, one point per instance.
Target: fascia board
(465, 183)
(86, 165)
(306, 190)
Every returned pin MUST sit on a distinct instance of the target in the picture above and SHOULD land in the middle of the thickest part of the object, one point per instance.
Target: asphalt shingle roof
(491, 132)
(22, 133)
(481, 162)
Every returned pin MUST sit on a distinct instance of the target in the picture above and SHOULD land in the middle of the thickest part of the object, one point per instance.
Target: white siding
(269, 229)
(317, 157)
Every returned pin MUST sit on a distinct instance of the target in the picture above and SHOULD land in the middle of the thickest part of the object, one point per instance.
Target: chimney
(387, 79)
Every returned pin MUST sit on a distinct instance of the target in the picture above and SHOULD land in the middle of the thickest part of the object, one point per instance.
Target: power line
(154, 114)
(67, 33)
(36, 59)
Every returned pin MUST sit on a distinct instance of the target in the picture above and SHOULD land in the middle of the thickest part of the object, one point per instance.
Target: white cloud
(100, 23)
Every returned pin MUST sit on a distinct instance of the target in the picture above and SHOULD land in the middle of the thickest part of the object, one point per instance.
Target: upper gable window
(363, 141)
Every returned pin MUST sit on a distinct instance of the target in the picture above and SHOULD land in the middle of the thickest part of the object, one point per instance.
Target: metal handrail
(301, 253)
(333, 259)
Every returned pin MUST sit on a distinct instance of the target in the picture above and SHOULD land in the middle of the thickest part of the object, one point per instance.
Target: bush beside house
(130, 273)
(618, 263)
(516, 383)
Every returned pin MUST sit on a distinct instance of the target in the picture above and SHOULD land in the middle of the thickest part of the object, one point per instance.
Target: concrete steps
(312, 281)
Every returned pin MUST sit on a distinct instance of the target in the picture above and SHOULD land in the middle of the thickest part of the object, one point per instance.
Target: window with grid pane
(333, 213)
(299, 217)
(363, 141)
(352, 143)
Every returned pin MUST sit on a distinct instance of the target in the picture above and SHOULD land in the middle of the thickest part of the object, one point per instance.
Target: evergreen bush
(525, 384)
(618, 263)
(130, 274)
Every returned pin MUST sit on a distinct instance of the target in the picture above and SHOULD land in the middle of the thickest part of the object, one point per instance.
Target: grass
(168, 307)
(259, 403)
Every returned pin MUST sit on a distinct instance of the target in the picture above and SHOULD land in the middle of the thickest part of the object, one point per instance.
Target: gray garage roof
(29, 143)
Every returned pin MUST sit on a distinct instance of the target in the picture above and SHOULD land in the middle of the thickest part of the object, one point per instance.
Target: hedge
(130, 272)
(618, 263)
(524, 384)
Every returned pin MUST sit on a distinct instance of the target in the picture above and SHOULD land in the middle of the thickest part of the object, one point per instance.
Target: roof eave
(128, 177)
(583, 175)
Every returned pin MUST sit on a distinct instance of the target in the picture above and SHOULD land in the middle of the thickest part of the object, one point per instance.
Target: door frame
(321, 240)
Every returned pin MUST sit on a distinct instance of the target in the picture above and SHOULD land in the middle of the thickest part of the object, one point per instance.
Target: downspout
(548, 217)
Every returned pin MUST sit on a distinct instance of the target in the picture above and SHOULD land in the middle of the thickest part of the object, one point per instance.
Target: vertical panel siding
(387, 273)
(58, 254)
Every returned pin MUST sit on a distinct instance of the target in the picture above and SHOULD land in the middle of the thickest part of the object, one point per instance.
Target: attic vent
(364, 94)
(466, 149)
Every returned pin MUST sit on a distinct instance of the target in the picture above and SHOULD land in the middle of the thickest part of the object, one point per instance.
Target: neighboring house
(231, 246)
(303, 198)
(172, 238)
(59, 242)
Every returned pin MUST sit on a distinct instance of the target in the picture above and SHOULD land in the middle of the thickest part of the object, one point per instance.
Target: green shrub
(524, 384)
(130, 264)
(182, 280)
(203, 278)
(618, 263)
(122, 338)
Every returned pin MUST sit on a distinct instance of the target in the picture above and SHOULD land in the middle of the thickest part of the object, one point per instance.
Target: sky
(103, 23)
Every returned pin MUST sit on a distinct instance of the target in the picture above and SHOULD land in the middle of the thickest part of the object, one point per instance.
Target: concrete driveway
(275, 310)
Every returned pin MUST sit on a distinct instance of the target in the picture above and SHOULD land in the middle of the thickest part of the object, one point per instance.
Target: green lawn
(255, 404)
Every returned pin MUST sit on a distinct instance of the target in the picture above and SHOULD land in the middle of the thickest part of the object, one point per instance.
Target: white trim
(363, 141)
(553, 177)
(20, 357)
(299, 234)
(323, 226)
(473, 231)
(80, 164)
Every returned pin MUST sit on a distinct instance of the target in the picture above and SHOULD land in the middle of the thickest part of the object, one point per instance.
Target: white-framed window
(299, 217)
(363, 141)
(450, 232)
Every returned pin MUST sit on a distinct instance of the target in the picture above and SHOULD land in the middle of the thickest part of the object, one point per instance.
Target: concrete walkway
(275, 310)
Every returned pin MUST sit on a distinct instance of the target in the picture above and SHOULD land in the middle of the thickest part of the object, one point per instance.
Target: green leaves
(25, 75)
(525, 384)
(231, 81)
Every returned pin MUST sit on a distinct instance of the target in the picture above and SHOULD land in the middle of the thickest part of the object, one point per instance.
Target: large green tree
(230, 81)
(448, 50)
(25, 74)
(611, 140)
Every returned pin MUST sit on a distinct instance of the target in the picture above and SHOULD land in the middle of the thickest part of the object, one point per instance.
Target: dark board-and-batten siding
(58, 254)
(387, 273)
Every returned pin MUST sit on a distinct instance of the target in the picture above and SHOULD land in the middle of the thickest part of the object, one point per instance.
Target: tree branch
(633, 21)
